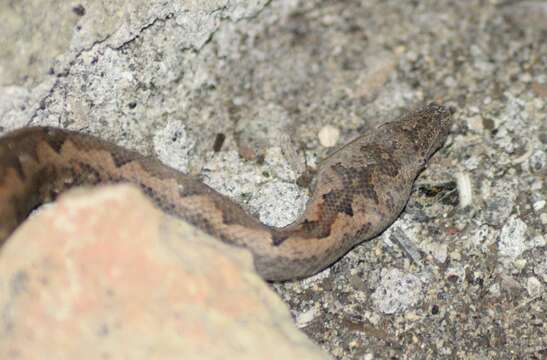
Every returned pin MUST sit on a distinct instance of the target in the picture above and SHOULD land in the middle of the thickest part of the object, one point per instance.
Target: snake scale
(359, 190)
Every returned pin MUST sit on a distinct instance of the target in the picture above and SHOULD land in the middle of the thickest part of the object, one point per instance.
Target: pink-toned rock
(104, 275)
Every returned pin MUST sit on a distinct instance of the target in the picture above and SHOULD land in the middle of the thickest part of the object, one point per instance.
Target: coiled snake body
(359, 190)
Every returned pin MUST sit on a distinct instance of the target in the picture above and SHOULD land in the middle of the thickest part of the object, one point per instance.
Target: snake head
(427, 129)
(440, 119)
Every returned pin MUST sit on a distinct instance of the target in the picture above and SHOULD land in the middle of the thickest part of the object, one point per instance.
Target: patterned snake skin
(359, 190)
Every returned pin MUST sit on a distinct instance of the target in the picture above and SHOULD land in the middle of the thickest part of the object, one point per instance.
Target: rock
(534, 287)
(329, 135)
(498, 208)
(397, 291)
(512, 240)
(268, 191)
(475, 123)
(465, 188)
(538, 161)
(407, 244)
(538, 205)
(541, 270)
(484, 236)
(166, 77)
(106, 275)
(439, 251)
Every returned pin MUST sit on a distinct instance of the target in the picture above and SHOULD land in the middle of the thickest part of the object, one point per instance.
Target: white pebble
(328, 136)
(475, 123)
(538, 205)
(305, 318)
(465, 191)
(512, 240)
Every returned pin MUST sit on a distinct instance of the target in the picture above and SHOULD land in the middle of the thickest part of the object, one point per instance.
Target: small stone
(475, 123)
(539, 89)
(437, 250)
(541, 270)
(304, 319)
(537, 161)
(538, 205)
(509, 283)
(536, 185)
(399, 237)
(247, 152)
(328, 136)
(495, 290)
(474, 109)
(534, 287)
(538, 241)
(519, 264)
(498, 208)
(525, 77)
(397, 291)
(455, 255)
(512, 240)
(455, 273)
(484, 236)
(412, 316)
(465, 189)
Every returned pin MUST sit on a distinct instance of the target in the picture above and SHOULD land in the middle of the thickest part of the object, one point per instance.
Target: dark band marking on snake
(359, 190)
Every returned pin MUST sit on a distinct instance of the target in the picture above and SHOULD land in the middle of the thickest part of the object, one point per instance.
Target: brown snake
(359, 190)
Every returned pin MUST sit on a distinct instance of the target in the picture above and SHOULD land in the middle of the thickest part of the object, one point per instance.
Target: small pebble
(247, 152)
(519, 264)
(329, 135)
(475, 123)
(304, 319)
(512, 239)
(465, 189)
(397, 291)
(541, 270)
(533, 286)
(455, 255)
(538, 205)
(526, 77)
(537, 161)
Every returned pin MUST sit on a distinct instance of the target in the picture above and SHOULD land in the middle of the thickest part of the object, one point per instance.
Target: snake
(357, 192)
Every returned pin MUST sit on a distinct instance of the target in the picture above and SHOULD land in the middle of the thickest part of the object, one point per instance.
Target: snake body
(359, 190)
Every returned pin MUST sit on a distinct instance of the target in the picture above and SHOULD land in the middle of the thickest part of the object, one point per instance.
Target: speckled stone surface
(171, 78)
